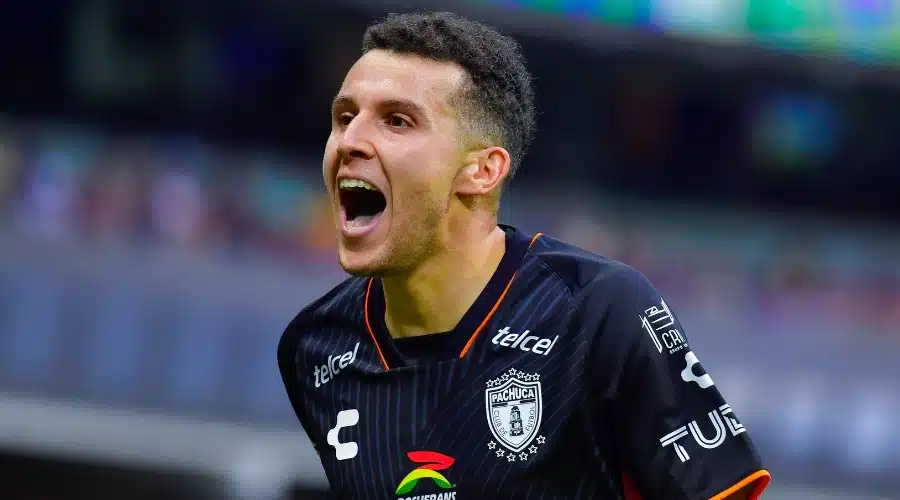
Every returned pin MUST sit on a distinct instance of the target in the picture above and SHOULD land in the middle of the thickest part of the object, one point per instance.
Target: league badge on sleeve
(514, 407)
(660, 324)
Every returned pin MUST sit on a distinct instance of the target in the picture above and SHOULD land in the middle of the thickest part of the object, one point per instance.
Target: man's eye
(397, 121)
(345, 119)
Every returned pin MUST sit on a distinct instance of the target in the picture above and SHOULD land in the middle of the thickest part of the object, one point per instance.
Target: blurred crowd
(68, 185)
(171, 191)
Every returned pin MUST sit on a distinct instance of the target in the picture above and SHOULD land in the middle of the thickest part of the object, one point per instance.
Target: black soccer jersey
(569, 378)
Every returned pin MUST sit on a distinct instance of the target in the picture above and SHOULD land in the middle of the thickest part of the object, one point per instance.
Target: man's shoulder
(346, 298)
(587, 275)
(345, 303)
(615, 304)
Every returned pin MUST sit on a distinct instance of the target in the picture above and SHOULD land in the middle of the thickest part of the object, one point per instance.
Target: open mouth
(362, 204)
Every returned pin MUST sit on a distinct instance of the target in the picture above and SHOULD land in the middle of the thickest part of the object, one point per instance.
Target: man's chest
(505, 422)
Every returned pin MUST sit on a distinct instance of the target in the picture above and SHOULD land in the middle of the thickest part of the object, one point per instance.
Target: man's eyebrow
(342, 101)
(405, 105)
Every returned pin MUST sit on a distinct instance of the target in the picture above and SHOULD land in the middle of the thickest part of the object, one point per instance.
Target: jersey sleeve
(287, 366)
(671, 432)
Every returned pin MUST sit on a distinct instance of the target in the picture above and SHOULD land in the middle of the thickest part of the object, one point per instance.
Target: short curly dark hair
(499, 98)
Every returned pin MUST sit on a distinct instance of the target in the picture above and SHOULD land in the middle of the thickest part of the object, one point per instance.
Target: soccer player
(468, 360)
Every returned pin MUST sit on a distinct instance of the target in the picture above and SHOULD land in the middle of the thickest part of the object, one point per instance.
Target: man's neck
(435, 297)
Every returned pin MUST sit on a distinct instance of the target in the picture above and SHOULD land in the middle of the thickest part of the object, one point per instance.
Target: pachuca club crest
(514, 409)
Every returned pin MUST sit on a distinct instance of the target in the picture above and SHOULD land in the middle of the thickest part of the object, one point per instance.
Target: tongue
(360, 221)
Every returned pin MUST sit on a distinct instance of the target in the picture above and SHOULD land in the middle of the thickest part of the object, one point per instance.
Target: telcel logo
(323, 374)
(523, 341)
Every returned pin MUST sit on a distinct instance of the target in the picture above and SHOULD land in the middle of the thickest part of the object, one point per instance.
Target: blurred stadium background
(161, 221)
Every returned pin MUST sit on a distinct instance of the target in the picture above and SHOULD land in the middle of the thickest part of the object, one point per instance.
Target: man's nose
(356, 140)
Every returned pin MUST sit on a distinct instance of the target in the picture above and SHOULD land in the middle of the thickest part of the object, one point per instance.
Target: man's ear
(484, 171)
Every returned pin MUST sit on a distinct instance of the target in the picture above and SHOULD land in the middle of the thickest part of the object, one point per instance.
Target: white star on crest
(523, 456)
(500, 453)
(512, 372)
(511, 457)
(532, 449)
(541, 439)
(505, 377)
(492, 445)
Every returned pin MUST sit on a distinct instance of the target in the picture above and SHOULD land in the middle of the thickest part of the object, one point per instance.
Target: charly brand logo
(431, 462)
(344, 451)
(524, 342)
(710, 443)
(325, 373)
(688, 375)
(659, 322)
(514, 408)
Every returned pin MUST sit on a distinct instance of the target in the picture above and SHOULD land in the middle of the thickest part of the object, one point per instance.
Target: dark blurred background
(162, 219)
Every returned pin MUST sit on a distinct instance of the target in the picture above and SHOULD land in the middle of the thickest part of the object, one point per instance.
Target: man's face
(391, 160)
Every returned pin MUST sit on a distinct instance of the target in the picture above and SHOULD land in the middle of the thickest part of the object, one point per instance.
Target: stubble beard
(409, 244)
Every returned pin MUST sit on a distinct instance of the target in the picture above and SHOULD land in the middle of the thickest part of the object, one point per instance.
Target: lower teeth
(360, 221)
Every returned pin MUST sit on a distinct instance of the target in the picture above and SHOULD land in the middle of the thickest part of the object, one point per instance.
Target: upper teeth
(356, 183)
